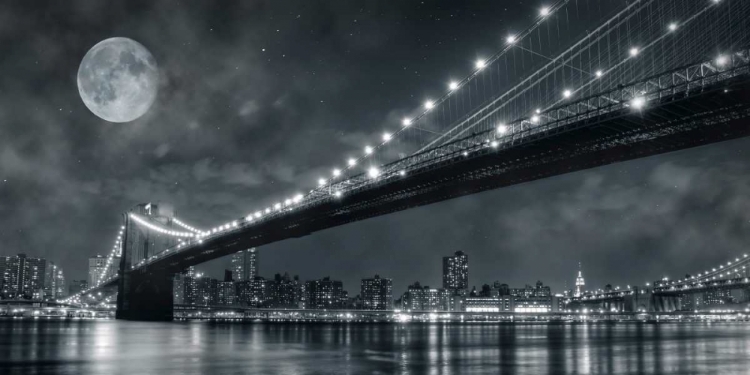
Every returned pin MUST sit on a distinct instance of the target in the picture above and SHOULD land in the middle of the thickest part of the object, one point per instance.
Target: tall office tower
(579, 282)
(97, 266)
(377, 293)
(245, 265)
(23, 277)
(456, 271)
(54, 282)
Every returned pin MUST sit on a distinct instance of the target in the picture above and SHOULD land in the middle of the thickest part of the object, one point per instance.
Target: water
(116, 347)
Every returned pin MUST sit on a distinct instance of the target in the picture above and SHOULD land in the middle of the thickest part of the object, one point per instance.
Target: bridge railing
(640, 95)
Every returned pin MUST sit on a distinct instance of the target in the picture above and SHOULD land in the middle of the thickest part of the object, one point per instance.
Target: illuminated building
(284, 291)
(324, 294)
(424, 298)
(255, 292)
(376, 293)
(23, 277)
(245, 265)
(456, 271)
(536, 298)
(226, 293)
(579, 282)
(97, 265)
(482, 304)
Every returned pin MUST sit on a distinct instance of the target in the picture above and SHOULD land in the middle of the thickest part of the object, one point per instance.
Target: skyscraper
(579, 282)
(54, 282)
(377, 293)
(456, 271)
(23, 277)
(97, 265)
(245, 265)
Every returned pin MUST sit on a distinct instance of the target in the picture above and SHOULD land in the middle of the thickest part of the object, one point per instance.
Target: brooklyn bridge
(574, 90)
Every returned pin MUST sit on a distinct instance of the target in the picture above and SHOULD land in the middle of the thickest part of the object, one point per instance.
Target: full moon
(118, 79)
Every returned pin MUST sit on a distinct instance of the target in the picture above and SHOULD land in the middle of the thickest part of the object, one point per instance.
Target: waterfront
(117, 347)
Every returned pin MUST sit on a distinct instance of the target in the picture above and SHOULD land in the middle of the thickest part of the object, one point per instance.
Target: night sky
(259, 98)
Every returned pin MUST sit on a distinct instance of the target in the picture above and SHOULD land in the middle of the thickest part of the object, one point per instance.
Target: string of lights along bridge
(578, 62)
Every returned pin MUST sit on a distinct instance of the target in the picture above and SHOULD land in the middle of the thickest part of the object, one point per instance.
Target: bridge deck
(676, 123)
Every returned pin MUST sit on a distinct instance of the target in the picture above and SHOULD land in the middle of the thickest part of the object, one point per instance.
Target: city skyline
(647, 213)
(375, 187)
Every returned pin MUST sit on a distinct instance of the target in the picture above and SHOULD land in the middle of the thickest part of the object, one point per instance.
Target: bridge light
(337, 194)
(297, 198)
(429, 104)
(634, 51)
(386, 137)
(258, 214)
(672, 26)
(373, 172)
(567, 93)
(535, 119)
(493, 144)
(277, 206)
(544, 12)
(480, 64)
(502, 129)
(537, 111)
(368, 150)
(511, 39)
(287, 202)
(453, 85)
(336, 172)
(351, 162)
(321, 181)
(638, 103)
(406, 122)
(268, 210)
(402, 172)
(721, 60)
(599, 73)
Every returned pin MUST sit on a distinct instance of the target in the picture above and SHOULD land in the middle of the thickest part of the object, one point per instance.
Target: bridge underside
(716, 114)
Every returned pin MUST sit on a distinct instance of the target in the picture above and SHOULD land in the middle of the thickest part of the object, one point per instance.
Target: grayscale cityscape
(375, 187)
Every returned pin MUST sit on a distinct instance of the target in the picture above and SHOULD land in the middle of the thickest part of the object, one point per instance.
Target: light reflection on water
(116, 347)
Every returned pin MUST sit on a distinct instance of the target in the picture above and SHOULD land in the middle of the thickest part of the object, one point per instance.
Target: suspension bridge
(587, 83)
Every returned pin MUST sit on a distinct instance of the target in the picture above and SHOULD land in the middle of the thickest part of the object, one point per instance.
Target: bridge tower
(144, 294)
